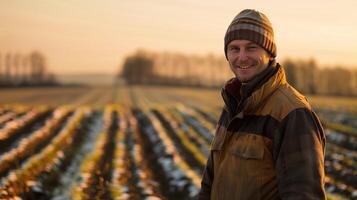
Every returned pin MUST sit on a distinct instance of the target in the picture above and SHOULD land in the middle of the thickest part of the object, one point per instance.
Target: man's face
(246, 59)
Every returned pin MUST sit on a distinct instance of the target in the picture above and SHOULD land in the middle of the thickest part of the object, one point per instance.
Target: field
(135, 142)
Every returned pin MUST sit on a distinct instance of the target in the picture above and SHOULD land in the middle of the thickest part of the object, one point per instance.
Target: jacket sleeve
(207, 179)
(300, 156)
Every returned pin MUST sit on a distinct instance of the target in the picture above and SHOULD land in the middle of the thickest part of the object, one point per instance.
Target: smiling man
(269, 143)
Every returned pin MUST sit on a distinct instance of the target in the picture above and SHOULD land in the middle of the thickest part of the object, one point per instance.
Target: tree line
(309, 78)
(24, 70)
(146, 67)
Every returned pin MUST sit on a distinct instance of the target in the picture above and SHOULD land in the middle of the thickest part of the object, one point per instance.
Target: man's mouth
(244, 66)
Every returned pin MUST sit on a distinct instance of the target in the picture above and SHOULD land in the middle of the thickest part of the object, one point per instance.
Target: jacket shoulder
(284, 100)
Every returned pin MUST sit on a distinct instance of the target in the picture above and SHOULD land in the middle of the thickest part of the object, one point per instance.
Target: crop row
(31, 144)
(144, 153)
(177, 177)
(96, 169)
(12, 130)
(23, 181)
(132, 178)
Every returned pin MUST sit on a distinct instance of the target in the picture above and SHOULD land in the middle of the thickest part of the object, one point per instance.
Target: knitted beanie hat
(254, 26)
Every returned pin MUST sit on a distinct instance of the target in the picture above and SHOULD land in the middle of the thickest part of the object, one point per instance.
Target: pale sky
(92, 36)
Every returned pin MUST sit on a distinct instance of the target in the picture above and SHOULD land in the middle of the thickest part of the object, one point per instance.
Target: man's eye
(233, 48)
(252, 47)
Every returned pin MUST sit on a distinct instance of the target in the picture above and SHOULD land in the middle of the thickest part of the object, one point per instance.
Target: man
(269, 144)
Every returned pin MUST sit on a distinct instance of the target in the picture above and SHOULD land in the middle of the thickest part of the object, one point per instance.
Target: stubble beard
(244, 66)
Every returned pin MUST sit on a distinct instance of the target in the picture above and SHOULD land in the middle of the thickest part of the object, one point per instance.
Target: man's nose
(242, 55)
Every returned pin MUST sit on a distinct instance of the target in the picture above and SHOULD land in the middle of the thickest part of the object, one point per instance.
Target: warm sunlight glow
(95, 36)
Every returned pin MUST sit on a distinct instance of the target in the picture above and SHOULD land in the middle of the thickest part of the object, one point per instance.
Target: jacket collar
(246, 98)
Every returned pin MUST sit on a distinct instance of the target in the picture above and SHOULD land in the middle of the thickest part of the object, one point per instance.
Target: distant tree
(322, 82)
(38, 67)
(340, 81)
(306, 82)
(302, 74)
(291, 71)
(25, 69)
(51, 78)
(137, 68)
(16, 68)
(354, 82)
(312, 71)
(8, 65)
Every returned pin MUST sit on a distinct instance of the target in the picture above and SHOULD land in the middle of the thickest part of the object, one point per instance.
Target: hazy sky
(88, 36)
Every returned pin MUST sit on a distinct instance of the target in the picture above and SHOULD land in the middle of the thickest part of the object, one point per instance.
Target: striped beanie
(254, 26)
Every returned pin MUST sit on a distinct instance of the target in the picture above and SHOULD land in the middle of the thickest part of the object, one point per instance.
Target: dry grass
(348, 104)
(99, 96)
